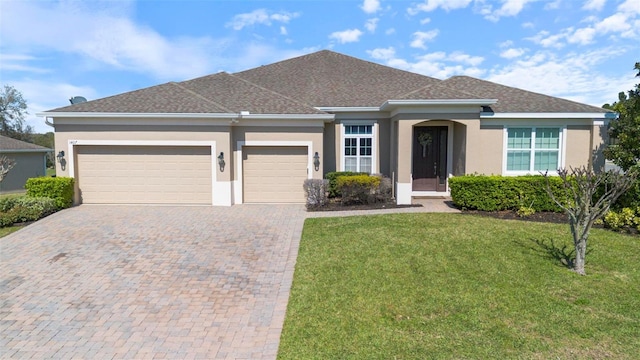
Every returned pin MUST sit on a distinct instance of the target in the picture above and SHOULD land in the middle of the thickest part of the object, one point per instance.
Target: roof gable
(512, 100)
(327, 78)
(7, 144)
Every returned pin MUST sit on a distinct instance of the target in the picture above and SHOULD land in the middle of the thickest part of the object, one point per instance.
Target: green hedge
(333, 181)
(495, 193)
(24, 208)
(359, 189)
(59, 189)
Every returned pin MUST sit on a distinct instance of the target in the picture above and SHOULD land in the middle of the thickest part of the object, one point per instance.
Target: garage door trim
(220, 192)
(238, 183)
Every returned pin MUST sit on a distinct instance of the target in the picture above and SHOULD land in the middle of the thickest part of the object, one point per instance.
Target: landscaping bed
(336, 205)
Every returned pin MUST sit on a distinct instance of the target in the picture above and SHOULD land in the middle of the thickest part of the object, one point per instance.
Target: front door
(430, 158)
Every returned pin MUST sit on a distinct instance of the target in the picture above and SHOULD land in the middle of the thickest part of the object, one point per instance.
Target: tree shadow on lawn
(547, 248)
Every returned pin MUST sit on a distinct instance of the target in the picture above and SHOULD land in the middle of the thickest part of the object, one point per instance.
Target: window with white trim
(533, 150)
(358, 148)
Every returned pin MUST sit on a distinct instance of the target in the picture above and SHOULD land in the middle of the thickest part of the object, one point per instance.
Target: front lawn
(453, 286)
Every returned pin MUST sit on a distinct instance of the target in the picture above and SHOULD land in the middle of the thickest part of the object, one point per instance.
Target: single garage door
(274, 174)
(144, 174)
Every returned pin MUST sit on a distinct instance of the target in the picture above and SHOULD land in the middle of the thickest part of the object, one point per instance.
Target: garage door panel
(144, 174)
(274, 174)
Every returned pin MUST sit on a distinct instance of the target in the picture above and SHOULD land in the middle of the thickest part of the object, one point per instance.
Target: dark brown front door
(430, 158)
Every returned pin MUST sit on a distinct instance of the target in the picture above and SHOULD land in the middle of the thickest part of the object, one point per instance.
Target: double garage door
(183, 174)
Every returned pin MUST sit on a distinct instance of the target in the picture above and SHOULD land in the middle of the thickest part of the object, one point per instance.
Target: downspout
(46, 121)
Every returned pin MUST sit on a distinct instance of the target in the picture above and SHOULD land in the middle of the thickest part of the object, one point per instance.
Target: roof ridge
(24, 144)
(273, 92)
(439, 84)
(529, 91)
(201, 96)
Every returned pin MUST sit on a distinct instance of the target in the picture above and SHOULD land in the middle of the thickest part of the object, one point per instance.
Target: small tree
(6, 164)
(13, 108)
(581, 186)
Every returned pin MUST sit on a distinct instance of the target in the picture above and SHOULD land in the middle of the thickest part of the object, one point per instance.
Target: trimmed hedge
(358, 188)
(24, 208)
(495, 193)
(60, 189)
(333, 181)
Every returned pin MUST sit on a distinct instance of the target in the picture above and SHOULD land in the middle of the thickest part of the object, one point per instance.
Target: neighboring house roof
(329, 79)
(321, 79)
(8, 144)
(514, 100)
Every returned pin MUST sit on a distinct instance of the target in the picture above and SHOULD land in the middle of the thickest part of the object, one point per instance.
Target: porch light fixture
(316, 161)
(221, 161)
(61, 160)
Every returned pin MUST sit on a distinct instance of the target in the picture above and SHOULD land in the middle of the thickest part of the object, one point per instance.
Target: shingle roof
(238, 95)
(8, 144)
(327, 78)
(321, 79)
(512, 99)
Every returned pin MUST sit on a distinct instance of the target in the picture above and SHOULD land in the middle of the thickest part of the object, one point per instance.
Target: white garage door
(144, 174)
(274, 174)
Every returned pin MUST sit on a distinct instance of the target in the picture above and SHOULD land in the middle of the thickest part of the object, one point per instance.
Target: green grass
(8, 230)
(452, 286)
(50, 172)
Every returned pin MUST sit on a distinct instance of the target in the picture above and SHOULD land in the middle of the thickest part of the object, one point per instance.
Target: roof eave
(435, 102)
(55, 114)
(542, 115)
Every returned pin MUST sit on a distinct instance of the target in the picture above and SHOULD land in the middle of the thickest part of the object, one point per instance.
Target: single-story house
(254, 136)
(30, 161)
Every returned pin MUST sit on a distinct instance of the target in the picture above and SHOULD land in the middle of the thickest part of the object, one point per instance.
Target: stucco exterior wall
(578, 146)
(28, 165)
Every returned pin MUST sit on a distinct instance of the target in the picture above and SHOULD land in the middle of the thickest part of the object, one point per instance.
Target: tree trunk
(580, 234)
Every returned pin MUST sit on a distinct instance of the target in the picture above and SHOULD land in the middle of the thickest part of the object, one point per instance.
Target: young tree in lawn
(13, 108)
(581, 185)
(6, 165)
(625, 151)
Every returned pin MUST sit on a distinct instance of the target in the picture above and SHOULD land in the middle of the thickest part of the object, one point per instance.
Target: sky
(50, 51)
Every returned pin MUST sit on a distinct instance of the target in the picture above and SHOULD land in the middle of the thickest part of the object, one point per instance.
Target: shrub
(358, 188)
(58, 188)
(316, 191)
(24, 208)
(333, 181)
(525, 211)
(495, 193)
(626, 218)
(384, 191)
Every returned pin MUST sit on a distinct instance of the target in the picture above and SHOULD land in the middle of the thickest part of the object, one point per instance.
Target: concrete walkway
(153, 282)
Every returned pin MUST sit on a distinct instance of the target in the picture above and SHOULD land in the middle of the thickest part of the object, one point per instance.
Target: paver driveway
(102, 282)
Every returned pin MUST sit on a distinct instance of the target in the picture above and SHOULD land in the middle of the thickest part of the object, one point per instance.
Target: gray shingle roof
(512, 99)
(321, 79)
(238, 95)
(327, 78)
(7, 144)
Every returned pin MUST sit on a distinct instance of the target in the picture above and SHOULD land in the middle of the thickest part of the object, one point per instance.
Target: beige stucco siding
(578, 146)
(484, 149)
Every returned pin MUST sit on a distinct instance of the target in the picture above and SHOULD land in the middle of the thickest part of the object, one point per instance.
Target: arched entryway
(430, 161)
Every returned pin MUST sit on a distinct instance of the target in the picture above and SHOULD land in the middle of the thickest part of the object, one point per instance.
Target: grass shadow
(563, 254)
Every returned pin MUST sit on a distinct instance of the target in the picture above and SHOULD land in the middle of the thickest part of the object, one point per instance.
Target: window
(533, 150)
(358, 148)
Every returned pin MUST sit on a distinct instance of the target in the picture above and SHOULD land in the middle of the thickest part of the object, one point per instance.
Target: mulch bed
(335, 205)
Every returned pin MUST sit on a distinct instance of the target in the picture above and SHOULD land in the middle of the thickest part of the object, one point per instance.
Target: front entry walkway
(149, 282)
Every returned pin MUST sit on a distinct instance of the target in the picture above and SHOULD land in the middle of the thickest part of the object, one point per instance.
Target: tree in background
(6, 164)
(46, 140)
(625, 130)
(13, 108)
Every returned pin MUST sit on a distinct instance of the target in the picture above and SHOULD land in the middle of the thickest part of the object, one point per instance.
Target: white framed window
(358, 147)
(531, 150)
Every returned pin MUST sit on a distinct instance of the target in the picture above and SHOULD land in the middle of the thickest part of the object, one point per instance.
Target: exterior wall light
(61, 160)
(221, 162)
(316, 161)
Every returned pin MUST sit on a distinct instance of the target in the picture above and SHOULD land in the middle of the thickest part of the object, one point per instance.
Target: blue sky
(582, 50)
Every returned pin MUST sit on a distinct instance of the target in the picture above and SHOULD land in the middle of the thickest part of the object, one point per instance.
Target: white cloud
(528, 25)
(431, 5)
(512, 53)
(370, 6)
(259, 17)
(371, 24)
(582, 36)
(390, 31)
(505, 44)
(283, 30)
(425, 21)
(102, 33)
(437, 64)
(508, 8)
(19, 62)
(596, 5)
(552, 5)
(420, 37)
(346, 36)
(630, 7)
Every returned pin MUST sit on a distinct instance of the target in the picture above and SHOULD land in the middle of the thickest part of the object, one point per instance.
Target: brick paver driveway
(103, 282)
